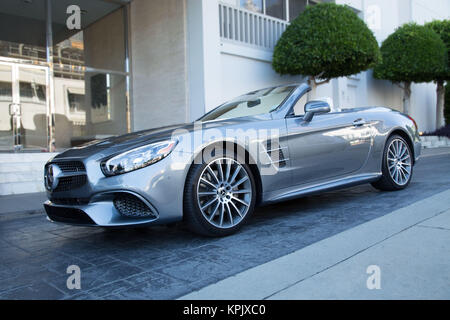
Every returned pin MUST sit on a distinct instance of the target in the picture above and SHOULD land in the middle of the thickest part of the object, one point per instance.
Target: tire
(210, 217)
(397, 168)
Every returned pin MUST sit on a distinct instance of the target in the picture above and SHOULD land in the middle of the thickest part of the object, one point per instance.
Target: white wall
(158, 63)
(429, 10)
(243, 74)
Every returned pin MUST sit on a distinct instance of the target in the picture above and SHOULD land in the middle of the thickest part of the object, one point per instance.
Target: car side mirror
(315, 107)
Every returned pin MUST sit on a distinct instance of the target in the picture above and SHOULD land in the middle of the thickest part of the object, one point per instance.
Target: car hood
(116, 144)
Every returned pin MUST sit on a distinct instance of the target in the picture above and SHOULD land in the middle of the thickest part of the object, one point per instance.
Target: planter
(434, 142)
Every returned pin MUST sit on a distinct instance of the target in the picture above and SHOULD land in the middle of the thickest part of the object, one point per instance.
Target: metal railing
(251, 28)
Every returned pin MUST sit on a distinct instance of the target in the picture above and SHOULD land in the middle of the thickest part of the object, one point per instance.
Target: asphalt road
(168, 262)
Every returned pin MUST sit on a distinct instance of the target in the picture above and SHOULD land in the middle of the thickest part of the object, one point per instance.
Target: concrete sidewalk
(409, 246)
(21, 204)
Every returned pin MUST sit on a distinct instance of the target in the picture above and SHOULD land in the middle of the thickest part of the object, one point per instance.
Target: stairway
(22, 172)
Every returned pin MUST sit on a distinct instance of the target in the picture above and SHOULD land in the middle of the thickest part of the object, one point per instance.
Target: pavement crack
(431, 227)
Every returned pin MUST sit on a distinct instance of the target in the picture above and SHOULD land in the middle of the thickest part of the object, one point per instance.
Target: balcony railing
(250, 28)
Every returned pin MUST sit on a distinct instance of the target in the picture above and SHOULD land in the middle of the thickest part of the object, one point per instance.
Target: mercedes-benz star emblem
(52, 176)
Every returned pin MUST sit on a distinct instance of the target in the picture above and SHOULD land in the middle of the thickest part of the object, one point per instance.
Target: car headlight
(138, 158)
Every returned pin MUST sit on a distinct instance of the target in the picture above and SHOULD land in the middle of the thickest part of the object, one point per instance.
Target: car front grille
(71, 182)
(131, 206)
(73, 175)
(71, 166)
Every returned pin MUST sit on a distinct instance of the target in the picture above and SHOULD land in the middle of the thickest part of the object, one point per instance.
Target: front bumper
(157, 188)
(101, 210)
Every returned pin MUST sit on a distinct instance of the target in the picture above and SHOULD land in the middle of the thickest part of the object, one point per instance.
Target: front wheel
(397, 167)
(220, 196)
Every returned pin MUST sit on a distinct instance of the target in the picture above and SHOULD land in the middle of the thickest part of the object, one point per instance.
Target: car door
(331, 145)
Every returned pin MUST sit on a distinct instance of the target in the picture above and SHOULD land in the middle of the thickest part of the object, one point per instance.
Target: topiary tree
(325, 41)
(442, 28)
(447, 104)
(412, 53)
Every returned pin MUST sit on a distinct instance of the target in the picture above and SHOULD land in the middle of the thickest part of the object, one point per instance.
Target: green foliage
(326, 39)
(447, 104)
(442, 28)
(412, 53)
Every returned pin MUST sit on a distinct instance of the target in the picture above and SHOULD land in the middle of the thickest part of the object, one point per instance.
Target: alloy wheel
(399, 162)
(224, 192)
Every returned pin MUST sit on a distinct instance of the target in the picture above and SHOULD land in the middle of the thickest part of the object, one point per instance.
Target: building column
(158, 62)
(203, 56)
(50, 81)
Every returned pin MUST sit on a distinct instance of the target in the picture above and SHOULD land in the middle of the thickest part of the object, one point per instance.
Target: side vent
(275, 152)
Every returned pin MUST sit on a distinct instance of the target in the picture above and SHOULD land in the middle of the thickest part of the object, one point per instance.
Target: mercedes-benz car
(266, 146)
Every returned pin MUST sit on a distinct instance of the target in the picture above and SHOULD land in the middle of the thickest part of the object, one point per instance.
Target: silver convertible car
(266, 146)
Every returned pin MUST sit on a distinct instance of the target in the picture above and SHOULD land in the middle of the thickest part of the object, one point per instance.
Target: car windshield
(253, 103)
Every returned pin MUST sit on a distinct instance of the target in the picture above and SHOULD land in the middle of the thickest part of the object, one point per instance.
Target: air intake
(131, 206)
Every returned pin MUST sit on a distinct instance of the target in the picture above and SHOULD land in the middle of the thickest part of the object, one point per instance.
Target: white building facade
(230, 46)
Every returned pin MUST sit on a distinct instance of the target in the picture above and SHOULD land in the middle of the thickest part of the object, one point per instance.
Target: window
(298, 6)
(5, 90)
(251, 104)
(252, 5)
(276, 8)
(76, 101)
(26, 91)
(41, 92)
(281, 9)
(29, 92)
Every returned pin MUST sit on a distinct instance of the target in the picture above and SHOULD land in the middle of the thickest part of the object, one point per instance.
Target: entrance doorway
(24, 107)
(60, 86)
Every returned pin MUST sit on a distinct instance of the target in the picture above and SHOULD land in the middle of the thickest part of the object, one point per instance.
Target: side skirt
(302, 190)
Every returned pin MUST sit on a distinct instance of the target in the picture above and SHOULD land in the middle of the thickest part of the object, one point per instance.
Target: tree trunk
(312, 84)
(440, 92)
(406, 97)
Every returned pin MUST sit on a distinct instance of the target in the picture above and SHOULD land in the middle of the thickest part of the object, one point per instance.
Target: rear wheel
(219, 196)
(397, 167)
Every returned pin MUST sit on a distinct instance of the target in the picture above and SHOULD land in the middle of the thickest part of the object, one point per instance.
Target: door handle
(359, 122)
